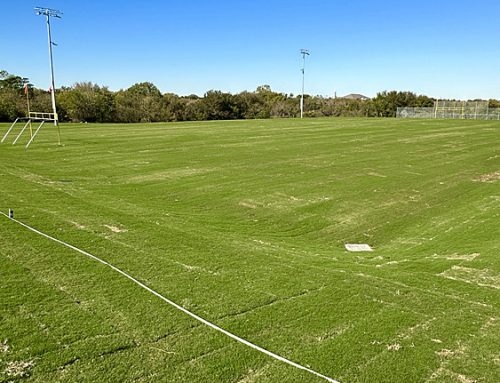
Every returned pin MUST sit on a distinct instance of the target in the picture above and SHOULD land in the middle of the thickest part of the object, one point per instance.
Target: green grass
(244, 223)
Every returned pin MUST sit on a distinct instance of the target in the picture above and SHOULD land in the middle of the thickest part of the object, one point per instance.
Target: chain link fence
(468, 110)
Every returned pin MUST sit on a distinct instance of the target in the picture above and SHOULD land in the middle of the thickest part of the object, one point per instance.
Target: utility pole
(304, 53)
(48, 13)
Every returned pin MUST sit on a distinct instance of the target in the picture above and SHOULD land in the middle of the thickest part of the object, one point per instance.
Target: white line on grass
(178, 307)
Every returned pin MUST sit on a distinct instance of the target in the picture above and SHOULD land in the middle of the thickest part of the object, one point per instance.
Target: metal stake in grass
(304, 53)
(48, 13)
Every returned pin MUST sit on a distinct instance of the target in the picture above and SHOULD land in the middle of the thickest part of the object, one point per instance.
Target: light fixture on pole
(48, 13)
(304, 53)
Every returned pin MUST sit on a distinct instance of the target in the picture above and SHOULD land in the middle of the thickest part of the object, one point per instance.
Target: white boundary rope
(178, 307)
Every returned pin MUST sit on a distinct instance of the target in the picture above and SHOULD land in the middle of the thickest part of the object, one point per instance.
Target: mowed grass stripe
(175, 305)
(120, 307)
(252, 216)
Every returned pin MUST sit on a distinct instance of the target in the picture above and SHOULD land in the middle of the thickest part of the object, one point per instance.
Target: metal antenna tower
(304, 53)
(48, 13)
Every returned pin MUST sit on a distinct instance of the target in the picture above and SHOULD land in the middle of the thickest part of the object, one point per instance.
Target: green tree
(12, 99)
(86, 101)
(173, 108)
(252, 105)
(217, 105)
(141, 102)
(492, 103)
(12, 82)
(386, 103)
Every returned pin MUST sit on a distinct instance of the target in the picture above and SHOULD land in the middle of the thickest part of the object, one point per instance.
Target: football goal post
(39, 118)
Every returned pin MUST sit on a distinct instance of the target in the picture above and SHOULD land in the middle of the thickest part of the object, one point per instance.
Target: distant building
(356, 96)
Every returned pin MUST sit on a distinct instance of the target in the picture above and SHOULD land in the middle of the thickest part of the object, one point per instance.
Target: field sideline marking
(172, 303)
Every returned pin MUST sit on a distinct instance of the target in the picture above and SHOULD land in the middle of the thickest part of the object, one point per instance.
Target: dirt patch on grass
(445, 353)
(480, 277)
(38, 179)
(329, 334)
(196, 269)
(19, 368)
(394, 347)
(77, 225)
(457, 257)
(169, 174)
(375, 174)
(442, 372)
(4, 347)
(254, 375)
(390, 263)
(249, 204)
(115, 229)
(421, 326)
(490, 177)
(464, 379)
(496, 359)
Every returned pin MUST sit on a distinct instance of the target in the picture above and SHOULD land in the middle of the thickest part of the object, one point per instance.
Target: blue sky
(445, 49)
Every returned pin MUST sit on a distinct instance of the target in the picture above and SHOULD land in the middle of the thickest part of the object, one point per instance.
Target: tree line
(143, 102)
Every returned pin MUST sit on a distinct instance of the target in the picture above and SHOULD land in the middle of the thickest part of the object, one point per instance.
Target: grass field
(244, 223)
